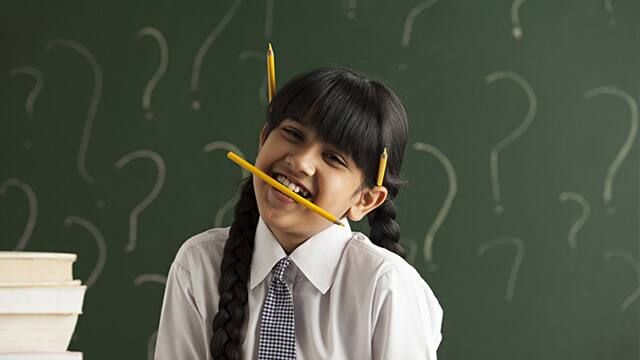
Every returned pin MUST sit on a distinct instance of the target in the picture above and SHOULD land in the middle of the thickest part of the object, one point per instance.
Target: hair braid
(385, 231)
(234, 275)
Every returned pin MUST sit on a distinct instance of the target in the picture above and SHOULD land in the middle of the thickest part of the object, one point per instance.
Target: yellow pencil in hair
(271, 72)
(271, 181)
(381, 168)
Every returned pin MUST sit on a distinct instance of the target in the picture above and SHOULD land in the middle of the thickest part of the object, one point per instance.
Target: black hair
(360, 117)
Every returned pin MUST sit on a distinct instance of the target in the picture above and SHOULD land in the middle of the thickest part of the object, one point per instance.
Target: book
(39, 305)
(35, 268)
(67, 355)
(36, 332)
(53, 299)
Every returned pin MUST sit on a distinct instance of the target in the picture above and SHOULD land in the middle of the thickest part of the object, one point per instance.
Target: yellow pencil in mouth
(273, 182)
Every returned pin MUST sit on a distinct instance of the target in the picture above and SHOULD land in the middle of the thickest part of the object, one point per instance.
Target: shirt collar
(317, 257)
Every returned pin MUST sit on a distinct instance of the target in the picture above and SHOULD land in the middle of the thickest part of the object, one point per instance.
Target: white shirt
(352, 299)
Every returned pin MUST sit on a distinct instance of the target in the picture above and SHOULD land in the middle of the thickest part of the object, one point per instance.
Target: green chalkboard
(522, 208)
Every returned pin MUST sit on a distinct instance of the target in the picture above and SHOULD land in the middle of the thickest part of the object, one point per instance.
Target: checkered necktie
(277, 330)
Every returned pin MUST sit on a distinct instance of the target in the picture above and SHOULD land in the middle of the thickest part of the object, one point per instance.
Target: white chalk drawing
(515, 19)
(531, 113)
(156, 278)
(162, 67)
(412, 248)
(33, 209)
(408, 22)
(211, 38)
(151, 343)
(577, 225)
(608, 7)
(607, 193)
(223, 145)
(268, 19)
(37, 87)
(262, 90)
(99, 239)
(633, 263)
(351, 8)
(135, 213)
(160, 279)
(446, 206)
(93, 106)
(517, 261)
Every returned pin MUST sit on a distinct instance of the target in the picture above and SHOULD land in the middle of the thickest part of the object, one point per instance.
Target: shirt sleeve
(408, 321)
(181, 334)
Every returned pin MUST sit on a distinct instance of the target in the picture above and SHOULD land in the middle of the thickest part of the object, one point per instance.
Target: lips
(281, 196)
(296, 182)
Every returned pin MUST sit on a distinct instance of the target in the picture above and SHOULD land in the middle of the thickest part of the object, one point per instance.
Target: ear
(369, 199)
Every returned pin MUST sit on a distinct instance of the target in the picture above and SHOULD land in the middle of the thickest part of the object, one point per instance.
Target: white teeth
(293, 187)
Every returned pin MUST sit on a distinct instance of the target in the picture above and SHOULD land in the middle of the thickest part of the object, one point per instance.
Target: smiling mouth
(281, 194)
(299, 190)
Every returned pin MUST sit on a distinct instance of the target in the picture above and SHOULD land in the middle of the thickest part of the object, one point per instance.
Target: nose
(303, 161)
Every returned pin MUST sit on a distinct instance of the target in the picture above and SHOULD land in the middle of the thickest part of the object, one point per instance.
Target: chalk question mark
(607, 193)
(628, 258)
(223, 145)
(262, 90)
(37, 87)
(135, 213)
(515, 19)
(352, 6)
(408, 22)
(446, 206)
(517, 261)
(98, 238)
(531, 113)
(162, 68)
(586, 211)
(93, 106)
(408, 25)
(412, 248)
(197, 62)
(160, 279)
(608, 7)
(33, 209)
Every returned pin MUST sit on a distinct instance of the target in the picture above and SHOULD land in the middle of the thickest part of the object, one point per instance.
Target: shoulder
(203, 248)
(376, 259)
(388, 272)
(399, 291)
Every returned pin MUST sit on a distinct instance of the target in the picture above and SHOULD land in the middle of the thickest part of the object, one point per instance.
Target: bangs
(340, 106)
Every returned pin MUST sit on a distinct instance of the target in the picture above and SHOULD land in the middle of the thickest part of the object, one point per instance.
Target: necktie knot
(280, 268)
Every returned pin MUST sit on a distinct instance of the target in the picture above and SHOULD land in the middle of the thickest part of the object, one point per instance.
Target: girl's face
(330, 176)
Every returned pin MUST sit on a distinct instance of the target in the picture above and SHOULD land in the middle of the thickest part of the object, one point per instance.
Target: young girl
(283, 282)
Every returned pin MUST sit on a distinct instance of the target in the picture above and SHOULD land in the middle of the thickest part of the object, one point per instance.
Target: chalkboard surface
(522, 209)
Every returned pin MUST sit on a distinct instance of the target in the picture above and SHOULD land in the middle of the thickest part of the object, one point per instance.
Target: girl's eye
(293, 133)
(299, 137)
(336, 159)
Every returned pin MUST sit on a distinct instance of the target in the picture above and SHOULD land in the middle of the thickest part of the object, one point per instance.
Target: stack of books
(39, 305)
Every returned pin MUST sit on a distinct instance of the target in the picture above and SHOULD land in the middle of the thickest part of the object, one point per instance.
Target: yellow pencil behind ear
(271, 72)
(382, 167)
